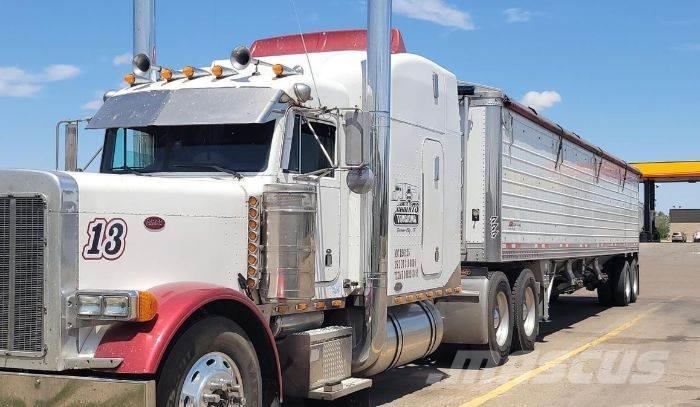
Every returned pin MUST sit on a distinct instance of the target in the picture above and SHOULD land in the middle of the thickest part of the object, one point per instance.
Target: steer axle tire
(213, 359)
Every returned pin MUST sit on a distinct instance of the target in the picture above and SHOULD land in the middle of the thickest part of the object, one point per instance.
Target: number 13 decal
(106, 239)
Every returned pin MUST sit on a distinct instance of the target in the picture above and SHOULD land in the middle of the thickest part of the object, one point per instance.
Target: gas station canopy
(669, 171)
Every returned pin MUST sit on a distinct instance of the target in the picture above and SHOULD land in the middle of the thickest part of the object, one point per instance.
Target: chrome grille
(22, 245)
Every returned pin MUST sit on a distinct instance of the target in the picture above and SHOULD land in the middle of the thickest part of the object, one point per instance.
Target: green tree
(662, 225)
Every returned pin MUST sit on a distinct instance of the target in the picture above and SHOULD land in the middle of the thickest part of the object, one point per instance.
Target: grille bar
(22, 250)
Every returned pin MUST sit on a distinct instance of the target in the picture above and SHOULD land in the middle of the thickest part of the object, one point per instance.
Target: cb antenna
(308, 60)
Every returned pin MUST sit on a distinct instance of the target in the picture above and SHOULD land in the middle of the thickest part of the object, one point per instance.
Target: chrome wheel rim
(213, 380)
(529, 309)
(501, 318)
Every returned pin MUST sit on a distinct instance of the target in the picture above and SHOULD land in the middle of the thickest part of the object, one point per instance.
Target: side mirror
(356, 138)
(359, 180)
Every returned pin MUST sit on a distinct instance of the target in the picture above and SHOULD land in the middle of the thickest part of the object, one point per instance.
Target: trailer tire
(634, 280)
(215, 349)
(526, 312)
(622, 286)
(500, 325)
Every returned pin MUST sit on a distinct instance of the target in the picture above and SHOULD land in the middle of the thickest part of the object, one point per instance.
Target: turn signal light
(148, 306)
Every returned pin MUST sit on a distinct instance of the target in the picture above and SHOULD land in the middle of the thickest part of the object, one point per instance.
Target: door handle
(329, 257)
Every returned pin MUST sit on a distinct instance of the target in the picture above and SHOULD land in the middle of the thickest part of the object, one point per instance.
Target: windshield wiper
(211, 167)
(130, 170)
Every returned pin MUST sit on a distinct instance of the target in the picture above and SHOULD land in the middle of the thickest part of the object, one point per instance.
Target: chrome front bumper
(32, 389)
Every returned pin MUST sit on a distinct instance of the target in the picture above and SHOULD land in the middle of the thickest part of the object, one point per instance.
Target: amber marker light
(278, 69)
(147, 306)
(252, 224)
(217, 71)
(253, 201)
(252, 260)
(253, 213)
(166, 74)
(252, 248)
(251, 271)
(252, 235)
(188, 71)
(130, 79)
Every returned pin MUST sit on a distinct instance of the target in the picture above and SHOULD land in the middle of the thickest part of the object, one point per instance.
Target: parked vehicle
(696, 237)
(678, 237)
(258, 232)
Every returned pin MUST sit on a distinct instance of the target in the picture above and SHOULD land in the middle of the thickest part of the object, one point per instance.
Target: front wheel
(213, 363)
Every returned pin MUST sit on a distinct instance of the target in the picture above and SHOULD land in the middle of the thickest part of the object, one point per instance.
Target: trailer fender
(142, 346)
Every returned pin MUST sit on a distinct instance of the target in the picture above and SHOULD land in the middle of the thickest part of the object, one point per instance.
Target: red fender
(142, 345)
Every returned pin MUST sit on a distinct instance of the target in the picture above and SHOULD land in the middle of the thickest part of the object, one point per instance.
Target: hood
(137, 232)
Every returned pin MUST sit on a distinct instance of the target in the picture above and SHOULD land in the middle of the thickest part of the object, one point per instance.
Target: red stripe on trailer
(324, 41)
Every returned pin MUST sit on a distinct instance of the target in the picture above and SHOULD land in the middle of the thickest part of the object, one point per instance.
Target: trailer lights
(138, 306)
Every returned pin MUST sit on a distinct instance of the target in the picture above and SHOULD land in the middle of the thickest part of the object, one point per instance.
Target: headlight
(140, 306)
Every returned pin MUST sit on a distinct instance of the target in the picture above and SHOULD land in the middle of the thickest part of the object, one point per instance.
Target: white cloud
(688, 47)
(16, 82)
(92, 105)
(541, 100)
(122, 59)
(517, 15)
(435, 11)
(60, 72)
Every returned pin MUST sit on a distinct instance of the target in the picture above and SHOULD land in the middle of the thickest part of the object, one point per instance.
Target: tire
(622, 286)
(210, 349)
(499, 298)
(605, 290)
(634, 280)
(525, 300)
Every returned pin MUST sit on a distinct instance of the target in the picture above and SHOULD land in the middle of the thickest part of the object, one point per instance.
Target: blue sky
(623, 74)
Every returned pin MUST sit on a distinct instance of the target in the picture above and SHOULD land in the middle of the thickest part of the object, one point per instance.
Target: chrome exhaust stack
(145, 35)
(374, 231)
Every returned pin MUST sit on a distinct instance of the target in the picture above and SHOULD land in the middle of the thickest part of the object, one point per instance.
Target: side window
(305, 152)
(133, 149)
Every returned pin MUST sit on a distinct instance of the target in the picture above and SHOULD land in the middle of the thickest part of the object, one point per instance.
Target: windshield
(234, 147)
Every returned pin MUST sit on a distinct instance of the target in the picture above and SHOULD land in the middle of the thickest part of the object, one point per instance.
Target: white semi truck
(295, 220)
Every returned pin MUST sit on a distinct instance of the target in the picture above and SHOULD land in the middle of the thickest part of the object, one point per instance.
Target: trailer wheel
(622, 285)
(526, 312)
(212, 363)
(500, 324)
(634, 278)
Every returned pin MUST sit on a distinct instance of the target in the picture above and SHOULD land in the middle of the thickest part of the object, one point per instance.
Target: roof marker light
(222, 72)
(133, 79)
(168, 74)
(191, 72)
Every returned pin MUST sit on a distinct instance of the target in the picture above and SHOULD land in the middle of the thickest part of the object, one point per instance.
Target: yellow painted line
(505, 387)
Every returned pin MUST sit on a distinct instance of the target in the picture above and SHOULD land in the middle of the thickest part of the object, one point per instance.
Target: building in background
(685, 221)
